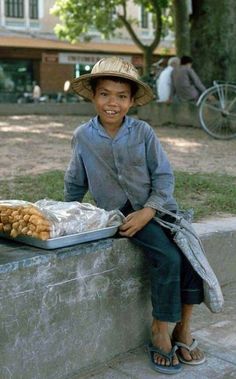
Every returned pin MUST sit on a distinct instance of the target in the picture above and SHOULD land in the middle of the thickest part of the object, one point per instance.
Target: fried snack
(38, 220)
(14, 233)
(42, 228)
(31, 227)
(15, 225)
(24, 220)
(7, 227)
(44, 236)
(4, 218)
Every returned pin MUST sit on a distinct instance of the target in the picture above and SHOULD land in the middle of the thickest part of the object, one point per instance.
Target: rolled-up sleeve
(75, 180)
(161, 173)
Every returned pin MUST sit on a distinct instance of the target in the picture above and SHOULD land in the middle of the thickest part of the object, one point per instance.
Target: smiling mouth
(111, 113)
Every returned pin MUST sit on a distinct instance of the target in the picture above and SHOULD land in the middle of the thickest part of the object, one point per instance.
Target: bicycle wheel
(217, 111)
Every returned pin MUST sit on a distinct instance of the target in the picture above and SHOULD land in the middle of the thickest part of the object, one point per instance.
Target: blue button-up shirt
(131, 166)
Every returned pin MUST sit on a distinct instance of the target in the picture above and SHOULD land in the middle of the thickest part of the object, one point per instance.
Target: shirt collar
(127, 124)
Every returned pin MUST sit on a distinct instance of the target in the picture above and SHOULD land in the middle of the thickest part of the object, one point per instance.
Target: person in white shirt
(164, 80)
(36, 93)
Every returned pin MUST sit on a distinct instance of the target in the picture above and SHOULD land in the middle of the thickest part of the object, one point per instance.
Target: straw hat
(113, 66)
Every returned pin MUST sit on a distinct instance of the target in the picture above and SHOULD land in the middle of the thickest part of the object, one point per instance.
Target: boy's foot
(169, 367)
(187, 352)
(163, 343)
(189, 348)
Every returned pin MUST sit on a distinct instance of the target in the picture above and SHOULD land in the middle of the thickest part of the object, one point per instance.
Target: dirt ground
(34, 144)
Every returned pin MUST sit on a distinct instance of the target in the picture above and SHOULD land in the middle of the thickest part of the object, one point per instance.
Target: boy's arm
(162, 187)
(75, 180)
(135, 221)
(73, 192)
(161, 173)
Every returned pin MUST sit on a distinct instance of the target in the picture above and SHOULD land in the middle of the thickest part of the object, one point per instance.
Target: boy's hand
(135, 221)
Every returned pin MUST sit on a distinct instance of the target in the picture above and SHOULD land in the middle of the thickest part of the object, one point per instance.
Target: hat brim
(82, 87)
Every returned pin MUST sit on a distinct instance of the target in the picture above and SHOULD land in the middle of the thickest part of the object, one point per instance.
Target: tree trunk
(182, 30)
(147, 60)
(146, 49)
(213, 38)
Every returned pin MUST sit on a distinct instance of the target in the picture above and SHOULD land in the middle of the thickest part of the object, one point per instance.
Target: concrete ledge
(158, 114)
(66, 310)
(82, 109)
(219, 239)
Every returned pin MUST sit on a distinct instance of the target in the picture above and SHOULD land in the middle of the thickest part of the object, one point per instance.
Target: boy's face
(112, 101)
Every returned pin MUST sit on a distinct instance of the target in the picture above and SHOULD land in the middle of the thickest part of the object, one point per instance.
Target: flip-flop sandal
(172, 369)
(189, 348)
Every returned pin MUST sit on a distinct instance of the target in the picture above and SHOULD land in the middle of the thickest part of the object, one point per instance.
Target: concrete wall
(64, 311)
(82, 109)
(158, 114)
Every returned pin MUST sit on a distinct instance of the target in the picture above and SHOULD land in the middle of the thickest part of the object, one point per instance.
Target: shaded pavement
(216, 334)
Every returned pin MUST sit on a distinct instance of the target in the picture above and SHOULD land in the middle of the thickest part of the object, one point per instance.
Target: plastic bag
(49, 219)
(74, 217)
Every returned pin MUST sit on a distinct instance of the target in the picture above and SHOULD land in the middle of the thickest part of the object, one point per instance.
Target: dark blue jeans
(172, 278)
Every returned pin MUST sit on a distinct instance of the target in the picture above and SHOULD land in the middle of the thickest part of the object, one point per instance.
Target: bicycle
(217, 110)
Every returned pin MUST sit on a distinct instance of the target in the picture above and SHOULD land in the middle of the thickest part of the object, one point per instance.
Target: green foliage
(151, 6)
(213, 31)
(79, 17)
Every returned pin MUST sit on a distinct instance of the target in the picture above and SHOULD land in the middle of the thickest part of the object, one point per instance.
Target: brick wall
(54, 75)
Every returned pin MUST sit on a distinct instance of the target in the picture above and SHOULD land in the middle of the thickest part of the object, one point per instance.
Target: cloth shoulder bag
(188, 241)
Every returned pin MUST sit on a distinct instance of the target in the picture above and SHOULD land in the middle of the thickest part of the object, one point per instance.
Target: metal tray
(63, 241)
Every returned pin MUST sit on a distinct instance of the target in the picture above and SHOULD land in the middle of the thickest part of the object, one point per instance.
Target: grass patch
(35, 187)
(207, 194)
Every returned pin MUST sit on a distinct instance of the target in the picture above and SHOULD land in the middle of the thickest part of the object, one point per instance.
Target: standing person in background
(36, 92)
(164, 80)
(186, 85)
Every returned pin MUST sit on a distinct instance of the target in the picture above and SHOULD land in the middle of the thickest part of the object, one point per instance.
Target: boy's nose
(112, 100)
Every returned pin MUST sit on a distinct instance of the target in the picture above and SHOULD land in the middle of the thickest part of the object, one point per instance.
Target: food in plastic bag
(49, 219)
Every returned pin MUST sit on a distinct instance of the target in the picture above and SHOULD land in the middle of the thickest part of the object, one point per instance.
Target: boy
(121, 162)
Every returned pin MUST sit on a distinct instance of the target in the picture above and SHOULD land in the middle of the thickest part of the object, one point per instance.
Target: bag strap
(177, 226)
(167, 212)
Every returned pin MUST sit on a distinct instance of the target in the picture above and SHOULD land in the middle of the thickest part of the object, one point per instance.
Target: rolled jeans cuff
(194, 296)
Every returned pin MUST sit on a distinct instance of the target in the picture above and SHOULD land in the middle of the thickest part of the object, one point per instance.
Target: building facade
(30, 52)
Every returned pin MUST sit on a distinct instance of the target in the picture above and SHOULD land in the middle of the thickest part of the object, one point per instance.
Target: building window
(14, 8)
(33, 9)
(144, 18)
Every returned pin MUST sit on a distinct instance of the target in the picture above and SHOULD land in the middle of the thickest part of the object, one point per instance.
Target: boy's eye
(120, 96)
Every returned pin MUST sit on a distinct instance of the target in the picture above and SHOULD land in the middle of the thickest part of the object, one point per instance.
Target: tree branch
(131, 32)
(158, 15)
